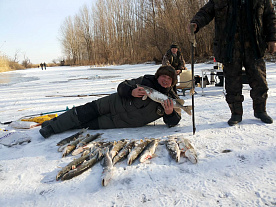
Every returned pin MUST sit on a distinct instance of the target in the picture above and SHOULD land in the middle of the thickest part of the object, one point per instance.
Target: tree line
(132, 31)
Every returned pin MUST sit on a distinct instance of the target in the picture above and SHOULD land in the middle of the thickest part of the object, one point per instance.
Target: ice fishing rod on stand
(193, 45)
(40, 114)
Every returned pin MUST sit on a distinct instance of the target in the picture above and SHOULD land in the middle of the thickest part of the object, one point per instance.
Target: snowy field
(236, 167)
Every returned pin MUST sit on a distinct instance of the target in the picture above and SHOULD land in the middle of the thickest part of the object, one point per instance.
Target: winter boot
(260, 112)
(237, 111)
(46, 131)
(63, 122)
(45, 123)
(264, 117)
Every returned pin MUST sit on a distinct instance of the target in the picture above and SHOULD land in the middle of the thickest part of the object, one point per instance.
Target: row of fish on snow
(111, 152)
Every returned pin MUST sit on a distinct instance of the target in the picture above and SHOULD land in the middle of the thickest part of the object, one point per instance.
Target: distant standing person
(44, 64)
(244, 29)
(41, 65)
(174, 58)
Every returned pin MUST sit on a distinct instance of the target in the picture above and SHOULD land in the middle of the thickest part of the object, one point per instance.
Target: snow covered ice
(236, 165)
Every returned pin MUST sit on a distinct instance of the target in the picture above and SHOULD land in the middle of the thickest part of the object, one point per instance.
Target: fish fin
(187, 109)
(180, 101)
(178, 110)
(144, 97)
(191, 155)
(192, 91)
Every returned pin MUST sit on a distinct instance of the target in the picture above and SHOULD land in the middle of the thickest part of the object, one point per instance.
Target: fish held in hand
(160, 98)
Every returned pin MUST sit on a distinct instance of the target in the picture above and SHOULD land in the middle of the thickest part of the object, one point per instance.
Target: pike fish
(117, 147)
(160, 98)
(84, 142)
(123, 152)
(72, 137)
(71, 146)
(107, 168)
(187, 149)
(72, 165)
(173, 149)
(94, 158)
(135, 152)
(149, 150)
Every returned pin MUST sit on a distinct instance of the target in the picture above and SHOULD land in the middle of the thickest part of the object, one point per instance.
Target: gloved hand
(271, 47)
(192, 25)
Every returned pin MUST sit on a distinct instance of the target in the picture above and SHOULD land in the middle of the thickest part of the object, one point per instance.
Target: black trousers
(88, 115)
(255, 71)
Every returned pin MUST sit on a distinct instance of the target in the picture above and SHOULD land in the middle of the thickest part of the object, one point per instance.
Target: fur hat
(167, 70)
(174, 46)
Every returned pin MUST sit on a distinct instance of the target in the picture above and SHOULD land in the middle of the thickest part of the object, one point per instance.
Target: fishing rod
(40, 114)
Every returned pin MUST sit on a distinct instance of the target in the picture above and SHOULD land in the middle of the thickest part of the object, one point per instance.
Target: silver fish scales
(123, 152)
(160, 98)
(135, 152)
(117, 147)
(95, 157)
(107, 168)
(149, 150)
(72, 137)
(187, 149)
(173, 149)
(89, 138)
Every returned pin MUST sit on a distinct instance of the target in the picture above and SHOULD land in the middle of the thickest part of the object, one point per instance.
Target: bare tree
(131, 31)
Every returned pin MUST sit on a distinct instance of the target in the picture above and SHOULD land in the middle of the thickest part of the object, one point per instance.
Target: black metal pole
(193, 45)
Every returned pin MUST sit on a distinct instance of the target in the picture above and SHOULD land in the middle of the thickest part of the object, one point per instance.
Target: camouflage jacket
(126, 111)
(260, 18)
(178, 63)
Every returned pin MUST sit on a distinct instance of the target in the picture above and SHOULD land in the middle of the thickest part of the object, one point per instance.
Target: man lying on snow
(122, 109)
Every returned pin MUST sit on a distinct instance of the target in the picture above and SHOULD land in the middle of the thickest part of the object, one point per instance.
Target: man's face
(174, 50)
(165, 81)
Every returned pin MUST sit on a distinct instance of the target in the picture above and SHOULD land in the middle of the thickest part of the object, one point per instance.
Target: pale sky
(33, 27)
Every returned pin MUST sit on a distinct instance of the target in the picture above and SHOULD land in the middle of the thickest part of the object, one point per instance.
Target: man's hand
(192, 25)
(138, 92)
(271, 47)
(168, 106)
(178, 72)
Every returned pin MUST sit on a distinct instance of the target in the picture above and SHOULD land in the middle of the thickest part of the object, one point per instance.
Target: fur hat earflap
(169, 71)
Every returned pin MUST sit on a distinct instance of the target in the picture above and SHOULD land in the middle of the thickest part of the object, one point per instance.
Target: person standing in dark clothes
(44, 64)
(244, 29)
(123, 109)
(174, 58)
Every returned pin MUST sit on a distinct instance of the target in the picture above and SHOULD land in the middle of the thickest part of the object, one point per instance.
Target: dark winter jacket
(128, 111)
(260, 18)
(177, 62)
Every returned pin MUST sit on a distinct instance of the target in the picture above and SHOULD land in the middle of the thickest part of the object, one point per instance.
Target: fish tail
(187, 109)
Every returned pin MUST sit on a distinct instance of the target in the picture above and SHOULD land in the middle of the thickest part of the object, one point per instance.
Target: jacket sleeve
(269, 22)
(181, 65)
(204, 16)
(166, 60)
(125, 88)
(172, 119)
